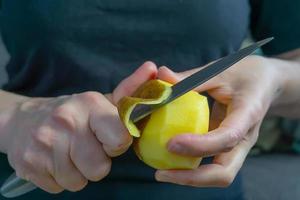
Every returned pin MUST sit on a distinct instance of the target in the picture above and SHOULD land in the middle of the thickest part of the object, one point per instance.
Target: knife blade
(198, 78)
(15, 186)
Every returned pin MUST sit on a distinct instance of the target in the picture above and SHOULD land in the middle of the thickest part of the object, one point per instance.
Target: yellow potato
(187, 114)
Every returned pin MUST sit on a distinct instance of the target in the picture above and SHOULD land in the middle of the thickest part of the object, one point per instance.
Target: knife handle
(15, 186)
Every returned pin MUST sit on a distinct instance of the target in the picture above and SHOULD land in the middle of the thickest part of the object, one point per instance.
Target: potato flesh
(187, 114)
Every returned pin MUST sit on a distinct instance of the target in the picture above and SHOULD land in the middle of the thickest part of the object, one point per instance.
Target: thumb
(145, 72)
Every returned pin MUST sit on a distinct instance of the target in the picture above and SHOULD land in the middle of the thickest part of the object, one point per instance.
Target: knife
(15, 186)
(196, 79)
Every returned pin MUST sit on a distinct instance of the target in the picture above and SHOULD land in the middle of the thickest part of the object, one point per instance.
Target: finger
(218, 114)
(144, 73)
(230, 132)
(65, 173)
(46, 182)
(166, 74)
(220, 173)
(89, 157)
(36, 169)
(109, 129)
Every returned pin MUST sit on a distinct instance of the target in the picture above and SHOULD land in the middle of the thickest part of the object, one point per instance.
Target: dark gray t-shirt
(64, 47)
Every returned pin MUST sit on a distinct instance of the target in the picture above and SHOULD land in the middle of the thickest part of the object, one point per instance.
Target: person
(72, 61)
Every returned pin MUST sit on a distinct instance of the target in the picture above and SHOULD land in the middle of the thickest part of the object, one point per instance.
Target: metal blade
(198, 78)
(15, 186)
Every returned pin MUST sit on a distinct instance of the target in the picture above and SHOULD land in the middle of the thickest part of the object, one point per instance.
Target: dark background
(266, 177)
(4, 57)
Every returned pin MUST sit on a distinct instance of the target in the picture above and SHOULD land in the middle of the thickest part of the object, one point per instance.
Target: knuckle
(46, 184)
(70, 180)
(235, 136)
(64, 115)
(117, 149)
(78, 185)
(102, 171)
(91, 97)
(28, 159)
(257, 111)
(124, 142)
(44, 137)
(226, 179)
(31, 104)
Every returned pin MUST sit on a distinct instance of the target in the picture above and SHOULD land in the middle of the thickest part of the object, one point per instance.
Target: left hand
(243, 95)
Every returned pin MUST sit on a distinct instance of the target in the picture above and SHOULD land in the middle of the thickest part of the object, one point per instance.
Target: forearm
(287, 104)
(8, 103)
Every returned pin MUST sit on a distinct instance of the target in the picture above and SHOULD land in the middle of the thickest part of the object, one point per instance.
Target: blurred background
(273, 175)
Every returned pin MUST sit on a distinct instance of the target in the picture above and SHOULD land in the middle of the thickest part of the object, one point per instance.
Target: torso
(63, 47)
(93, 44)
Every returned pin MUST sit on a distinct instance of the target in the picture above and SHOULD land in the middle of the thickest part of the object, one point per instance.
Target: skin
(245, 94)
(60, 143)
(47, 140)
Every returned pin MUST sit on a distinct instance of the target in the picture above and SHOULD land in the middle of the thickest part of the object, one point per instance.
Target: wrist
(288, 95)
(280, 80)
(8, 109)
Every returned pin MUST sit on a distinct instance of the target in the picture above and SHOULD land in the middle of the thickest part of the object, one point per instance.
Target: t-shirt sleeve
(279, 19)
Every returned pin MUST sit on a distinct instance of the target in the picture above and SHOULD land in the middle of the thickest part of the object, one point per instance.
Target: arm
(288, 103)
(8, 103)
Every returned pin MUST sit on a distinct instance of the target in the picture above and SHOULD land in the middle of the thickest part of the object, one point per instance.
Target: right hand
(61, 143)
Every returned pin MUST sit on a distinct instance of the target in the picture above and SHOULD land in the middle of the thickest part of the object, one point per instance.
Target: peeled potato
(187, 114)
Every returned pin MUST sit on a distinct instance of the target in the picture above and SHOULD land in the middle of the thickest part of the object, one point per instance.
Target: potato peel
(152, 92)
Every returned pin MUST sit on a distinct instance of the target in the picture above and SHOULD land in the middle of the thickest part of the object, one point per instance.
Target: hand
(61, 143)
(243, 93)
